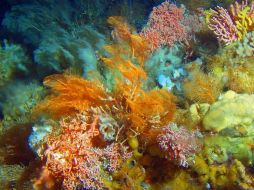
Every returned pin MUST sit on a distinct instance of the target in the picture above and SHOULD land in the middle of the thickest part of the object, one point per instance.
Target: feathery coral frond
(154, 108)
(202, 88)
(136, 45)
(70, 94)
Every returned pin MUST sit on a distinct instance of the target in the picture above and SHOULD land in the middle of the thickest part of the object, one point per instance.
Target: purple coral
(222, 24)
(178, 143)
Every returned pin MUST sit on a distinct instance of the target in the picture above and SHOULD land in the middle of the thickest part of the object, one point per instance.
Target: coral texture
(72, 156)
(164, 26)
(232, 25)
(178, 143)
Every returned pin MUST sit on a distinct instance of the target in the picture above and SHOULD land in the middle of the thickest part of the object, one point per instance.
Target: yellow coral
(132, 173)
(223, 176)
(122, 33)
(244, 23)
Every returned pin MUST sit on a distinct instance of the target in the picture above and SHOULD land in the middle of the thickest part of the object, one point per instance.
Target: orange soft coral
(70, 94)
(122, 33)
(129, 103)
(154, 109)
(144, 110)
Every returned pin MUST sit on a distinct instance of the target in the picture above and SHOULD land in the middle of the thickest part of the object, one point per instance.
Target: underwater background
(126, 95)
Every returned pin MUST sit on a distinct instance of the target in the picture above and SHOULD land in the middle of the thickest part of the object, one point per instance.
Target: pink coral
(178, 143)
(223, 25)
(164, 26)
(234, 24)
(72, 157)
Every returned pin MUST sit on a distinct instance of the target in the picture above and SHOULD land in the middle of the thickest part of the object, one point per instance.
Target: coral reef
(101, 95)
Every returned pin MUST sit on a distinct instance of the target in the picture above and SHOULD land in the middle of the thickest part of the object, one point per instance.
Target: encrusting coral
(233, 176)
(230, 111)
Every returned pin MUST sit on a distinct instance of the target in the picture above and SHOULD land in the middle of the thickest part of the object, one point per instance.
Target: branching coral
(164, 26)
(221, 23)
(122, 33)
(128, 90)
(153, 109)
(85, 157)
(71, 155)
(243, 15)
(178, 143)
(233, 25)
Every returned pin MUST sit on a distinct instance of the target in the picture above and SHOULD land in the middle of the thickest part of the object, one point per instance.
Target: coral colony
(117, 95)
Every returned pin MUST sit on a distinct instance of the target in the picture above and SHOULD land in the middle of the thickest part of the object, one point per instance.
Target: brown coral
(202, 88)
(241, 79)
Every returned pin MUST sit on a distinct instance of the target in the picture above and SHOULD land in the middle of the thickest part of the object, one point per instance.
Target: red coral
(164, 26)
(178, 143)
(72, 157)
